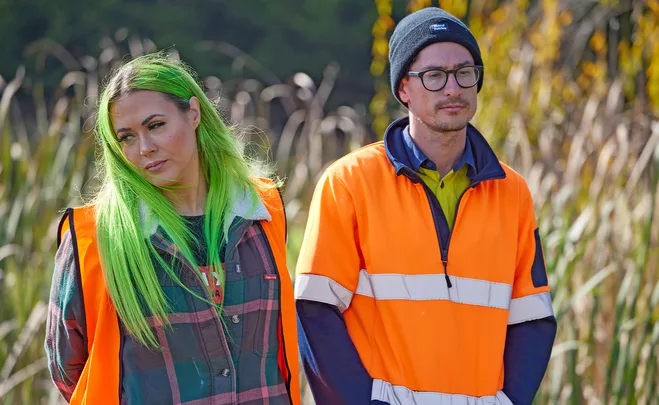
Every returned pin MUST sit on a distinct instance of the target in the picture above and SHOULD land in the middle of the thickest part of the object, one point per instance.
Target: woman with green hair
(171, 287)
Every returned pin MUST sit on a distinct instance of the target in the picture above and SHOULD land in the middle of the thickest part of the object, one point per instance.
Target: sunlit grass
(588, 149)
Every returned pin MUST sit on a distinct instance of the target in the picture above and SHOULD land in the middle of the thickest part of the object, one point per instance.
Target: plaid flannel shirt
(200, 362)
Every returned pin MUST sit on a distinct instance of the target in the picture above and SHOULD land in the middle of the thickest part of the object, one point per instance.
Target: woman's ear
(195, 111)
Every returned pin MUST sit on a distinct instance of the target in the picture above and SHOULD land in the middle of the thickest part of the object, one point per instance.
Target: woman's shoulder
(80, 219)
(268, 192)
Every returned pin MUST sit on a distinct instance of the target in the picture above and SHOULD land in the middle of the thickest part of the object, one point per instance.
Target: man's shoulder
(515, 181)
(511, 173)
(365, 161)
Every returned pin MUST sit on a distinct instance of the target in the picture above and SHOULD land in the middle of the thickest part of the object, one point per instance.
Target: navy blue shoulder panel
(538, 270)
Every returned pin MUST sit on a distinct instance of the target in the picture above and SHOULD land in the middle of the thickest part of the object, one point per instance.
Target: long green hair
(127, 205)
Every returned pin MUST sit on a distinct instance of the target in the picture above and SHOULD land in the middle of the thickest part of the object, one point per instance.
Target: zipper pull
(448, 280)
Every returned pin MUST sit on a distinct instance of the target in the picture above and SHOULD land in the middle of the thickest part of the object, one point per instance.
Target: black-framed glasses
(435, 79)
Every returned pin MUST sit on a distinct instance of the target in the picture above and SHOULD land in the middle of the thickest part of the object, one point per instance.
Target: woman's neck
(190, 200)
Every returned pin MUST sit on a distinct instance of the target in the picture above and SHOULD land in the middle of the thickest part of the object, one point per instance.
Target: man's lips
(453, 107)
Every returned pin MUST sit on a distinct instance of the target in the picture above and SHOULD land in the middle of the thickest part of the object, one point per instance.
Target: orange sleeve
(329, 262)
(531, 297)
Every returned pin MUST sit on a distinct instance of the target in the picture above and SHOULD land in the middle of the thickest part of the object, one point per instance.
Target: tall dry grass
(584, 135)
(584, 132)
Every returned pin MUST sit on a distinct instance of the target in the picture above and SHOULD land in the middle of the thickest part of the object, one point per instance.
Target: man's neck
(443, 148)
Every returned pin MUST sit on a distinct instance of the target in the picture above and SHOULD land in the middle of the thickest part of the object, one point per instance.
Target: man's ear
(403, 90)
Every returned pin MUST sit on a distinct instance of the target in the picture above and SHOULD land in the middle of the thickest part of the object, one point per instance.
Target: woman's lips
(155, 166)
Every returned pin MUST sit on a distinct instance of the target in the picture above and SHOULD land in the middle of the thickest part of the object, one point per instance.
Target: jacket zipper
(432, 198)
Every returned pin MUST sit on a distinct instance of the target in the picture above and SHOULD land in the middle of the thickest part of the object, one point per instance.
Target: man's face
(446, 110)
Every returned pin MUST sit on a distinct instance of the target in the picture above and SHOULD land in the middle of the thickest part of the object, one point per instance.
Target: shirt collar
(420, 160)
(247, 204)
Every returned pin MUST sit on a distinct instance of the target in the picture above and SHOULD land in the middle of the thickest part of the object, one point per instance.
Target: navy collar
(482, 162)
(419, 160)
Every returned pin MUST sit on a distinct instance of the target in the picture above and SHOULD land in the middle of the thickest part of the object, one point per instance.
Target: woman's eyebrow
(146, 120)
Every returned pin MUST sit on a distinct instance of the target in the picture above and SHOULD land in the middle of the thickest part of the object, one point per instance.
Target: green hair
(122, 222)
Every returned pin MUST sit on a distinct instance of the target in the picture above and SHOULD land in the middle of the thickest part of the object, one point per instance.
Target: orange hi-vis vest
(100, 376)
(428, 320)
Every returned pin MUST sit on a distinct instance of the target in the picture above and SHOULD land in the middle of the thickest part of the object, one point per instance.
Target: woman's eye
(155, 125)
(126, 138)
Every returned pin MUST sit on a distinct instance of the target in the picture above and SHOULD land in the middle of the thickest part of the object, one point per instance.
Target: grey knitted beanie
(420, 29)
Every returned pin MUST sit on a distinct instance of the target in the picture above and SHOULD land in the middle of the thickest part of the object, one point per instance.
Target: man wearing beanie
(421, 278)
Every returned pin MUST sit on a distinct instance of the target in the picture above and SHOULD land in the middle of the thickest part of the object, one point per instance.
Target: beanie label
(438, 27)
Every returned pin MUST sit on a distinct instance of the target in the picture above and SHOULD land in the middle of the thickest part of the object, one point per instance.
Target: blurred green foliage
(278, 38)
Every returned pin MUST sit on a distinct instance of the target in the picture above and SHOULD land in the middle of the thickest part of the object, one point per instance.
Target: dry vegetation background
(571, 101)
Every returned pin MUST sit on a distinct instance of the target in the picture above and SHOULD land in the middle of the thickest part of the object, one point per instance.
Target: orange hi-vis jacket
(427, 308)
(99, 381)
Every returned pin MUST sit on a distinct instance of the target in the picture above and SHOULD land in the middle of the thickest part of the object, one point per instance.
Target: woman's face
(158, 138)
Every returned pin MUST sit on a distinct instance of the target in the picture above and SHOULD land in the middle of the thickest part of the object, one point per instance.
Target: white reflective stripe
(399, 395)
(536, 306)
(433, 287)
(314, 287)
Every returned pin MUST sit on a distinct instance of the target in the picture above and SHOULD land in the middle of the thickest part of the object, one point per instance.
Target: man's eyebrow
(459, 65)
(146, 120)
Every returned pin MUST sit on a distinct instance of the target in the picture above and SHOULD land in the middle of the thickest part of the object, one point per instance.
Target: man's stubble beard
(444, 127)
(437, 125)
